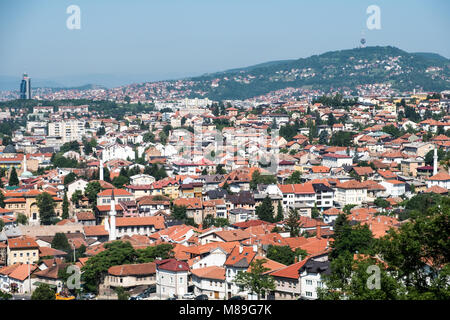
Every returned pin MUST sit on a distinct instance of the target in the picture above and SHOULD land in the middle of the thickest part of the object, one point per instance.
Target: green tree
(381, 203)
(71, 177)
(116, 253)
(120, 181)
(2, 199)
(46, 206)
(13, 179)
(392, 130)
(265, 210)
(293, 223)
(341, 139)
(65, 207)
(76, 197)
(349, 280)
(208, 221)
(43, 292)
(323, 137)
(429, 157)
(295, 178)
(417, 245)
(220, 169)
(315, 213)
(351, 239)
(149, 254)
(121, 293)
(280, 215)
(22, 219)
(255, 280)
(284, 254)
(258, 178)
(2, 225)
(179, 213)
(60, 242)
(91, 191)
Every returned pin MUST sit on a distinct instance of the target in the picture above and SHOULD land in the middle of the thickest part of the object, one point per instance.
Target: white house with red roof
(104, 197)
(210, 281)
(441, 179)
(334, 160)
(394, 188)
(171, 278)
(351, 192)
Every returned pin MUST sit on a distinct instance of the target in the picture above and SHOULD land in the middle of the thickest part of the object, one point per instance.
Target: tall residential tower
(25, 87)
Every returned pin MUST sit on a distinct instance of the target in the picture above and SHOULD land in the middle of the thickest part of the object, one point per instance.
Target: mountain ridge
(344, 69)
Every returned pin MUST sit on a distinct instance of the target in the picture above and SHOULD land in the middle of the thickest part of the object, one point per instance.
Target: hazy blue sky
(172, 38)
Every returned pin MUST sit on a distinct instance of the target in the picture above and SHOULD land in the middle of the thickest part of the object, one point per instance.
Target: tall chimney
(241, 249)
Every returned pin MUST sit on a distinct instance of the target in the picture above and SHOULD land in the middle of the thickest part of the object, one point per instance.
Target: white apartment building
(332, 160)
(116, 151)
(68, 130)
(351, 192)
(308, 194)
(394, 188)
(141, 179)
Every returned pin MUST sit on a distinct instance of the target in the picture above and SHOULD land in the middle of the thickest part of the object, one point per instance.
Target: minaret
(101, 169)
(435, 164)
(112, 218)
(24, 163)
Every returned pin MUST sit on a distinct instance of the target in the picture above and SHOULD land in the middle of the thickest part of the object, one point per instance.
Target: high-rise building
(68, 130)
(25, 87)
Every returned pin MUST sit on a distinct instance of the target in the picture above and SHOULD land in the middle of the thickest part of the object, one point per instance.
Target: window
(308, 294)
(309, 282)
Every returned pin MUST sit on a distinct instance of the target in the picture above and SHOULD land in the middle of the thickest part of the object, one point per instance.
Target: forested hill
(345, 69)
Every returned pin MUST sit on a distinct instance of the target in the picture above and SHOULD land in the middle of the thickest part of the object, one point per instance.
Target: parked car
(188, 296)
(87, 296)
(151, 289)
(135, 298)
(201, 297)
(237, 298)
(172, 298)
(144, 295)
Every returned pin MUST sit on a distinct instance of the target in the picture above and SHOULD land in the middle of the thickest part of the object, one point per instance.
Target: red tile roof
(133, 269)
(22, 243)
(290, 272)
(212, 272)
(172, 265)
